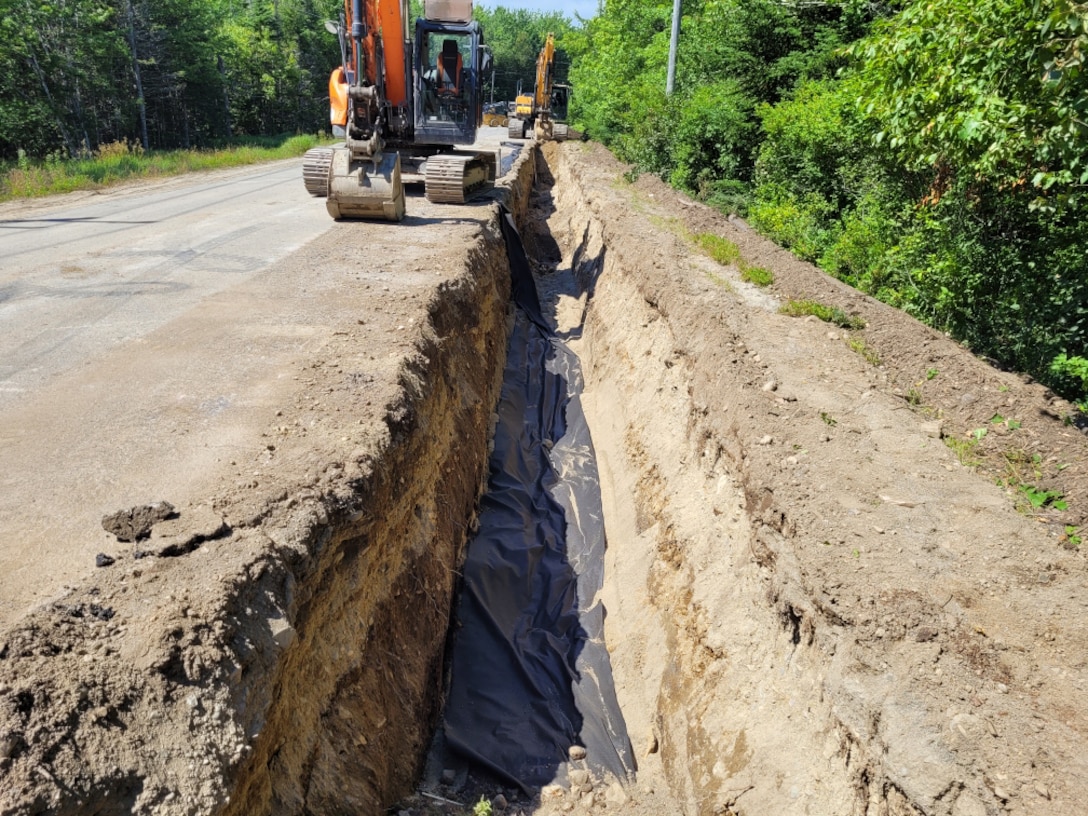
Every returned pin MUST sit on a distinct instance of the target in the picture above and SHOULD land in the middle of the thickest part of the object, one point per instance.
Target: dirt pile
(279, 647)
(814, 607)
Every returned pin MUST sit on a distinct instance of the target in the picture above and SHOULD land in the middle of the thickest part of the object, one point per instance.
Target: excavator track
(452, 179)
(315, 171)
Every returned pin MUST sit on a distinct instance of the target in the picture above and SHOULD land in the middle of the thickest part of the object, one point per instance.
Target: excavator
(536, 114)
(403, 105)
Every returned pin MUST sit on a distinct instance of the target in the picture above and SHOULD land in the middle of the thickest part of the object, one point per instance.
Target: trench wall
(346, 715)
(711, 628)
(300, 668)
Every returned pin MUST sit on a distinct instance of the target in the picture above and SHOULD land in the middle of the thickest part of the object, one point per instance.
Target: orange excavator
(407, 107)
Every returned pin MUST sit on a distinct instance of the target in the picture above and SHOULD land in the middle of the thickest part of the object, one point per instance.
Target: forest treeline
(79, 74)
(933, 153)
(165, 74)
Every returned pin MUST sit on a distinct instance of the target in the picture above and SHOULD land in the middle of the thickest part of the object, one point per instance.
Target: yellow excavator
(537, 115)
(406, 108)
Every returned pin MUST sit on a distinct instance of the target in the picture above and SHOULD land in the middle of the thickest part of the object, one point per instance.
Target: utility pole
(671, 81)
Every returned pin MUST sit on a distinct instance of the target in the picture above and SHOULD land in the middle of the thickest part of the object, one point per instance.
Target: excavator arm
(368, 94)
(545, 74)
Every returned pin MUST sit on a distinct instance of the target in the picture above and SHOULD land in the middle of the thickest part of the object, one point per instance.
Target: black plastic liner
(531, 675)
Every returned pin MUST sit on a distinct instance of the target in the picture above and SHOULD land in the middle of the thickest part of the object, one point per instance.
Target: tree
(993, 88)
(516, 37)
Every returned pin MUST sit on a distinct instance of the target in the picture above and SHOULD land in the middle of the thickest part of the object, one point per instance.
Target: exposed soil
(855, 622)
(817, 601)
(814, 605)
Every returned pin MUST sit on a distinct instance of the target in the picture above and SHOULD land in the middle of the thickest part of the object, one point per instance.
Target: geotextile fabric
(530, 672)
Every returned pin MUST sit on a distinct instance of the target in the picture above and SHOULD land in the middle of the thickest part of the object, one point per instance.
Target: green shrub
(713, 136)
(805, 225)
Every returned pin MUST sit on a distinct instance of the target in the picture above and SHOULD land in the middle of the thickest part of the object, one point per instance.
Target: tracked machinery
(407, 107)
(539, 115)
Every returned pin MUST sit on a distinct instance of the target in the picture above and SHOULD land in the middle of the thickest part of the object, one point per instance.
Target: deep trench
(530, 694)
(481, 614)
(335, 667)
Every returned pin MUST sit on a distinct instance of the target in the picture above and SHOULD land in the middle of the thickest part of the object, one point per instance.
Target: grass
(122, 161)
(757, 275)
(726, 253)
(859, 346)
(720, 249)
(828, 314)
(966, 450)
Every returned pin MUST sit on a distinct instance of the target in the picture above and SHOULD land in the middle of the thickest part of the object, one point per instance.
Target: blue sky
(587, 8)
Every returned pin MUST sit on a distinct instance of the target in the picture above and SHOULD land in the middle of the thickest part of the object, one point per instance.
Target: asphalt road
(79, 278)
(144, 332)
(151, 335)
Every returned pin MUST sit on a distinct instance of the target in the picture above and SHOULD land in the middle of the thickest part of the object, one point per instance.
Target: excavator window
(445, 77)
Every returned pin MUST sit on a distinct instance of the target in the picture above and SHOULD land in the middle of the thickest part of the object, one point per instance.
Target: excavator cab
(451, 60)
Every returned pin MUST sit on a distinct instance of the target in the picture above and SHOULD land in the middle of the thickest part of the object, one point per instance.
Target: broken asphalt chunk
(135, 524)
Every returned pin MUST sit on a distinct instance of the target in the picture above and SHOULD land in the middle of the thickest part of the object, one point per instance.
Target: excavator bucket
(365, 188)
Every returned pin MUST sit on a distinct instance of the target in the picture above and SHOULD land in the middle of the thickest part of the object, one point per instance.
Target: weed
(828, 314)
(1041, 499)
(859, 346)
(1072, 536)
(1021, 468)
(757, 275)
(965, 450)
(726, 253)
(931, 373)
(830, 420)
(1011, 424)
(720, 249)
(914, 397)
(482, 808)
